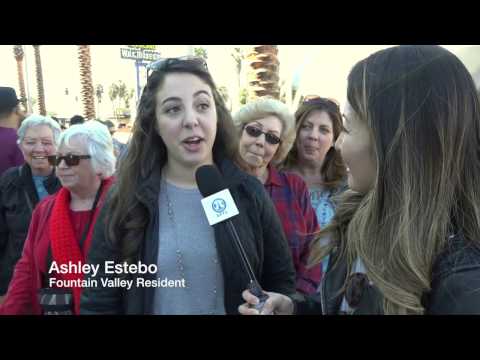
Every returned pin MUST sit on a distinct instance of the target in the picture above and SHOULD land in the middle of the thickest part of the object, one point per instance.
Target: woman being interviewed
(155, 215)
(406, 239)
(62, 225)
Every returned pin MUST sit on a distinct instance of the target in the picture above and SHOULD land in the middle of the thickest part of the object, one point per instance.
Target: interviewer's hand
(276, 304)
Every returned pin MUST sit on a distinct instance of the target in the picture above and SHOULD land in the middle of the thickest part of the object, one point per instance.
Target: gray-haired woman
(22, 187)
(61, 227)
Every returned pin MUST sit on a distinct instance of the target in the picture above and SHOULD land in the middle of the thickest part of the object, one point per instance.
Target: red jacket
(22, 295)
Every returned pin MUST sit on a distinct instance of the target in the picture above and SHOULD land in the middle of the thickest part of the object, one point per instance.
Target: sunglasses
(256, 132)
(169, 63)
(70, 159)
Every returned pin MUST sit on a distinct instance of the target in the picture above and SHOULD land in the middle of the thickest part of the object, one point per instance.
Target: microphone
(219, 206)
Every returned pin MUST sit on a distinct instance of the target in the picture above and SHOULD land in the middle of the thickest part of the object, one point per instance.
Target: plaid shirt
(292, 201)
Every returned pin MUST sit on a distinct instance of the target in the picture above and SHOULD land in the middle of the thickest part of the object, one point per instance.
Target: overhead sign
(136, 52)
(145, 47)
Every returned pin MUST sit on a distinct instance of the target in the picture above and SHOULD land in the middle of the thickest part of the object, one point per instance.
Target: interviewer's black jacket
(18, 198)
(259, 230)
(455, 287)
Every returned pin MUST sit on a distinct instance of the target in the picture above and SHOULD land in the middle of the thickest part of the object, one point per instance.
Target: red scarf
(65, 247)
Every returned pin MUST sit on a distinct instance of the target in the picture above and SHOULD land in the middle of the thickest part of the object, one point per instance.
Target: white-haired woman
(22, 187)
(267, 133)
(61, 228)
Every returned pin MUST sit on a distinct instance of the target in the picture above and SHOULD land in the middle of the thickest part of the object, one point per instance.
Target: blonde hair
(264, 107)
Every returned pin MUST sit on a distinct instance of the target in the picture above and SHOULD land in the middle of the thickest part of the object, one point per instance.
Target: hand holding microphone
(219, 206)
(257, 291)
(275, 304)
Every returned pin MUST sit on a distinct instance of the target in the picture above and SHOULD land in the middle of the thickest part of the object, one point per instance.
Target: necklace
(179, 255)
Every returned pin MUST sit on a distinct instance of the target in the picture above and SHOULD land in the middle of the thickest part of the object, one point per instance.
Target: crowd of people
(371, 210)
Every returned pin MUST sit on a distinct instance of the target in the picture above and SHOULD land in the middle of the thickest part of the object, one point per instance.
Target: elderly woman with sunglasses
(61, 229)
(21, 188)
(266, 129)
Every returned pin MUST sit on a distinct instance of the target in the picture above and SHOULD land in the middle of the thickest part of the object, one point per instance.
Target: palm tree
(127, 97)
(19, 54)
(223, 91)
(201, 52)
(239, 57)
(88, 92)
(122, 91)
(263, 72)
(113, 94)
(41, 93)
(99, 95)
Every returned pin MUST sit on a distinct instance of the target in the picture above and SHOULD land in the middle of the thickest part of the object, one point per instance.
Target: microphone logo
(219, 205)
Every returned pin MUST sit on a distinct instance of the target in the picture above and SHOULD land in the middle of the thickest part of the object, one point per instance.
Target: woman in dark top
(154, 215)
(21, 188)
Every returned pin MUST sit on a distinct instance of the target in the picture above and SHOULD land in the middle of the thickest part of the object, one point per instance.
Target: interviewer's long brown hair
(423, 111)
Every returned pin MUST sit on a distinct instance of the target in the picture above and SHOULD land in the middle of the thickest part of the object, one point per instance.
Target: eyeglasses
(70, 159)
(169, 63)
(256, 132)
